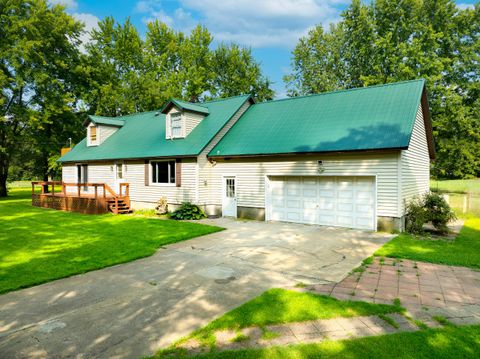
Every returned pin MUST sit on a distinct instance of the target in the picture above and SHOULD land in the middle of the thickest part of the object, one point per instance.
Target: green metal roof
(369, 118)
(143, 135)
(189, 106)
(109, 121)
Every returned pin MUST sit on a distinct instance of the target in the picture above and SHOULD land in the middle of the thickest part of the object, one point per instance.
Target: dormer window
(176, 122)
(92, 135)
(182, 117)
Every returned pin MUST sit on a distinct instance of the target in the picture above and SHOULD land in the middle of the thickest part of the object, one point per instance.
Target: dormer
(100, 128)
(182, 117)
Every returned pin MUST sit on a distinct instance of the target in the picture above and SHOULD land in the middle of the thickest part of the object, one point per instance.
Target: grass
(389, 320)
(447, 342)
(463, 251)
(39, 245)
(278, 306)
(456, 186)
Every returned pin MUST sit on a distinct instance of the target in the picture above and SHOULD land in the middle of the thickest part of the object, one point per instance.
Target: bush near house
(431, 207)
(188, 211)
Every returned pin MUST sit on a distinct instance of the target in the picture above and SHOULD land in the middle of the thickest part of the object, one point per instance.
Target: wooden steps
(123, 206)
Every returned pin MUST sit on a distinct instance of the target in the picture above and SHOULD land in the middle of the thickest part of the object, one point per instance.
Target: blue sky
(271, 28)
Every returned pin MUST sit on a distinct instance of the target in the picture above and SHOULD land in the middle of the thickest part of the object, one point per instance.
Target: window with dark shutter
(163, 172)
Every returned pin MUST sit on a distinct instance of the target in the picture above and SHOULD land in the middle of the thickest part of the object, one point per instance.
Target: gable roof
(102, 120)
(143, 135)
(189, 106)
(369, 118)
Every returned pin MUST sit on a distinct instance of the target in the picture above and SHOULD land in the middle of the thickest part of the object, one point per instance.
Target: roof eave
(387, 149)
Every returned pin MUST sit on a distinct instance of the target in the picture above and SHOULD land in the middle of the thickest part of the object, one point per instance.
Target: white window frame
(181, 121)
(89, 141)
(150, 174)
(115, 170)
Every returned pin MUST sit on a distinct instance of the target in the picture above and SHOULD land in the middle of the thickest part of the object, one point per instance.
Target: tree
(235, 71)
(38, 57)
(389, 41)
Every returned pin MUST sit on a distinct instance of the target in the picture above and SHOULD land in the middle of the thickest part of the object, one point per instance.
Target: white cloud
(256, 23)
(463, 6)
(69, 4)
(91, 22)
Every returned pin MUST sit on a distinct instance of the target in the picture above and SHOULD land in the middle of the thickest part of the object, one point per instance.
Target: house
(348, 158)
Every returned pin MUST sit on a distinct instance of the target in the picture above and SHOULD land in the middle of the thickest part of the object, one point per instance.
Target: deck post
(33, 188)
(53, 189)
(64, 189)
(96, 189)
(43, 187)
(116, 205)
(78, 189)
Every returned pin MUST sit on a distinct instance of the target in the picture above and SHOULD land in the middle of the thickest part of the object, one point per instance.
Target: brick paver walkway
(426, 290)
(414, 283)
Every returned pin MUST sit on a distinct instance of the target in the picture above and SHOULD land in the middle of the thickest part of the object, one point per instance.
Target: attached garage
(331, 201)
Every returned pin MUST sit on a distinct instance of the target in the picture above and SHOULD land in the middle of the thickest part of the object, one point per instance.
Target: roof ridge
(191, 103)
(342, 90)
(227, 98)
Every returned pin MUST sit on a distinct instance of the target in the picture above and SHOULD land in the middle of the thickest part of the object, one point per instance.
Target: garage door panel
(333, 201)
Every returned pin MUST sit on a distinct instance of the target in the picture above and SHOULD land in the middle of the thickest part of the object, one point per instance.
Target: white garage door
(331, 201)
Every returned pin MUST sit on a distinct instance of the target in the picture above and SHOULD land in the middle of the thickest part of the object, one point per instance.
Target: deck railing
(102, 192)
(48, 187)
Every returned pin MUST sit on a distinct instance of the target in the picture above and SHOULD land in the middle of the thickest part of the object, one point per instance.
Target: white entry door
(330, 201)
(229, 197)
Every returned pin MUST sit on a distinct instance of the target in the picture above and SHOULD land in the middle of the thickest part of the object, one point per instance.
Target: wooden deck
(89, 198)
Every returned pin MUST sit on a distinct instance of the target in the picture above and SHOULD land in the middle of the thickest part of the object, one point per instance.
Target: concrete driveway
(133, 309)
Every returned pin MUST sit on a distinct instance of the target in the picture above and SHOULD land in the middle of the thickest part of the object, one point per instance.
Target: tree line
(50, 80)
(390, 40)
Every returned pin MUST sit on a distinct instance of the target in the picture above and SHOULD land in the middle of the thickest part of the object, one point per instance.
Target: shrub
(438, 211)
(415, 215)
(431, 207)
(188, 211)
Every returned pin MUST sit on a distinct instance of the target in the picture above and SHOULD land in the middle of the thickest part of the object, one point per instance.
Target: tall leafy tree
(38, 59)
(235, 71)
(388, 41)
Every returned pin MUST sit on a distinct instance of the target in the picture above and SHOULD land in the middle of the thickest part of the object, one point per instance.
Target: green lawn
(38, 245)
(448, 342)
(277, 306)
(457, 186)
(463, 251)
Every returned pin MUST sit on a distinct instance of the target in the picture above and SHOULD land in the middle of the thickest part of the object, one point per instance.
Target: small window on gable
(163, 172)
(176, 123)
(93, 134)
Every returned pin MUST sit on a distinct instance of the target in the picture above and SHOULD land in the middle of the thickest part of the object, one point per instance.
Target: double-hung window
(177, 124)
(163, 172)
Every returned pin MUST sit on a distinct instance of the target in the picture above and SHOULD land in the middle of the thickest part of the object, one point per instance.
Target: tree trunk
(3, 177)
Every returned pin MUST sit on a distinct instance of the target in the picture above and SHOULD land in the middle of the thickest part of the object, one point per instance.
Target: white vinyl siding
(102, 132)
(251, 172)
(415, 163)
(192, 119)
(134, 174)
(205, 189)
(106, 132)
(97, 173)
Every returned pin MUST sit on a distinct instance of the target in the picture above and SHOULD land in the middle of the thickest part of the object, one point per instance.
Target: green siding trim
(369, 118)
(143, 135)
